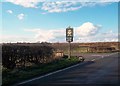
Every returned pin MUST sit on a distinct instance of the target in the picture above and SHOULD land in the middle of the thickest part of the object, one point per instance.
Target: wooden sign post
(69, 39)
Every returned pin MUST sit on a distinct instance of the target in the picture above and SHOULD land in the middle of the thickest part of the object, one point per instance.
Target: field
(22, 61)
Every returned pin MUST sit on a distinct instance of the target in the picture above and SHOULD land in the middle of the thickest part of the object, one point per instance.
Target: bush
(65, 56)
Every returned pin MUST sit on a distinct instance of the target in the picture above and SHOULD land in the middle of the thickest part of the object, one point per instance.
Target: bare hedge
(19, 55)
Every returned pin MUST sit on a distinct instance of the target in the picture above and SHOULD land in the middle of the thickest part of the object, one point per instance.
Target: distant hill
(78, 47)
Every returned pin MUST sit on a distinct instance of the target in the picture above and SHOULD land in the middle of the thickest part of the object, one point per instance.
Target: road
(97, 69)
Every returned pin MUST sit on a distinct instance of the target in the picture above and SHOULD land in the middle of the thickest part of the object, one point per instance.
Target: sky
(46, 21)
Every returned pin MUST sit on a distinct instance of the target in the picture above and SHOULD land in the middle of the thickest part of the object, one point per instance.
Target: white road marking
(54, 72)
(102, 56)
(93, 60)
(48, 74)
(96, 55)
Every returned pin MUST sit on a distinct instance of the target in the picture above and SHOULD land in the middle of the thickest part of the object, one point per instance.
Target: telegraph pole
(69, 39)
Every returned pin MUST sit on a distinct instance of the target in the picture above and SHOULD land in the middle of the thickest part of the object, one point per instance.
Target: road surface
(97, 69)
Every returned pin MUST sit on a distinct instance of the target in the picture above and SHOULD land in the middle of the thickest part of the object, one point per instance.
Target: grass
(11, 77)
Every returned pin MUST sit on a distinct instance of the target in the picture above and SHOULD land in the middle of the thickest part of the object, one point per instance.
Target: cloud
(59, 5)
(21, 16)
(109, 0)
(15, 38)
(9, 11)
(108, 36)
(25, 3)
(46, 35)
(64, 6)
(87, 29)
(87, 32)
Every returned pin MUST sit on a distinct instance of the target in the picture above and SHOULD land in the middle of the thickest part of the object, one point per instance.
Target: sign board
(69, 34)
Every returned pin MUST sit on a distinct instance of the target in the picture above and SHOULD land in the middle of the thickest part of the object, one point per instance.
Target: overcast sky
(40, 20)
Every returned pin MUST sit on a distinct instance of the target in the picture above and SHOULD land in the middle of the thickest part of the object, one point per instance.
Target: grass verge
(11, 77)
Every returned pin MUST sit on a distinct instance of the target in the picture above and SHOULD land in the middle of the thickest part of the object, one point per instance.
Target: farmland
(40, 57)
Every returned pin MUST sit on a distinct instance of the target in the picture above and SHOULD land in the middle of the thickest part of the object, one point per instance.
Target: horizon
(36, 21)
(55, 42)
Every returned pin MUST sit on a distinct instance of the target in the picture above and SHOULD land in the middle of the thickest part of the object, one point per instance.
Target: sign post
(69, 39)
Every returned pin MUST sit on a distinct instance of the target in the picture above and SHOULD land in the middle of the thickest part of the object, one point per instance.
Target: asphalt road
(96, 70)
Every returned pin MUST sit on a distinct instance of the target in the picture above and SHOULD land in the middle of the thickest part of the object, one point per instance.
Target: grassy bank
(11, 77)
